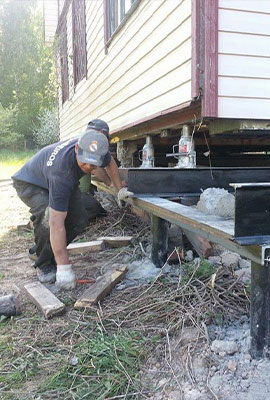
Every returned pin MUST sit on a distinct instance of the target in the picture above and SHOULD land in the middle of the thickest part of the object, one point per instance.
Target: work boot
(46, 274)
(32, 253)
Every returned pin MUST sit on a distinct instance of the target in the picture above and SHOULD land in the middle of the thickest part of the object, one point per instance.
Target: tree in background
(48, 131)
(27, 83)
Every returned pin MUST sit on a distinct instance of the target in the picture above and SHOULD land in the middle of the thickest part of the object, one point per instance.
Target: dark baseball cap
(93, 147)
(99, 125)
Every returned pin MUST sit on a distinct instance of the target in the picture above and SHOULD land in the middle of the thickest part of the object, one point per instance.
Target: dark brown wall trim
(195, 65)
(210, 90)
(63, 14)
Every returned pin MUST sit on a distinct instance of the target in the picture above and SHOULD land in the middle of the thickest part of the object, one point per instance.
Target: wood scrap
(9, 305)
(102, 287)
(24, 226)
(116, 241)
(44, 299)
(201, 245)
(82, 247)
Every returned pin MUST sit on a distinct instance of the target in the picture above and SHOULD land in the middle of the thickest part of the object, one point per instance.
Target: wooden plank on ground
(102, 287)
(95, 245)
(44, 299)
(201, 245)
(117, 241)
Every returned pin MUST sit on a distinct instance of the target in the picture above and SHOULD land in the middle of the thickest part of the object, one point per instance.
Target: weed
(108, 366)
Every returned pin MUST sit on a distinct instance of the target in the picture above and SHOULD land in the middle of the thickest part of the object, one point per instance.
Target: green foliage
(26, 66)
(111, 364)
(48, 131)
(205, 269)
(8, 137)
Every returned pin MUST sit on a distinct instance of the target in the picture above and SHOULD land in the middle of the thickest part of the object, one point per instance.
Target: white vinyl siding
(244, 59)
(147, 69)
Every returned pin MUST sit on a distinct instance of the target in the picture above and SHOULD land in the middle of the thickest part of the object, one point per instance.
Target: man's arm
(58, 236)
(102, 175)
(113, 172)
(65, 277)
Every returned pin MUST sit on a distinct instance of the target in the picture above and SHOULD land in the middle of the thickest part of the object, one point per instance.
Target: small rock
(189, 256)
(232, 365)
(214, 260)
(226, 346)
(230, 259)
(244, 263)
(245, 274)
(73, 361)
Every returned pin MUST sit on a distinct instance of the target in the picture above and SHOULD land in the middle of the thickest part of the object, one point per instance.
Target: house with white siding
(148, 67)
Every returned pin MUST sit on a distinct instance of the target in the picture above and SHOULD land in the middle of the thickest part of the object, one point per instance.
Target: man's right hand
(65, 277)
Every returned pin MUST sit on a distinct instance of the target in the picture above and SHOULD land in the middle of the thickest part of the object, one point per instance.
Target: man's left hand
(122, 195)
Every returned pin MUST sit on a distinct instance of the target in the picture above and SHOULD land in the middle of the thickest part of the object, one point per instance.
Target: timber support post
(260, 310)
(160, 241)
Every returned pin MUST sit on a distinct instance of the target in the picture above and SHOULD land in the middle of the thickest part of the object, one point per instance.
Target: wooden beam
(117, 241)
(82, 247)
(213, 228)
(201, 245)
(44, 299)
(101, 288)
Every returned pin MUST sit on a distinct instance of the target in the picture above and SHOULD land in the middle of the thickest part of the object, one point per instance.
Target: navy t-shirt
(55, 168)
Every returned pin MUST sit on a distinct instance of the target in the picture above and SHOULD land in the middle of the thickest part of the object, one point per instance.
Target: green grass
(108, 366)
(10, 162)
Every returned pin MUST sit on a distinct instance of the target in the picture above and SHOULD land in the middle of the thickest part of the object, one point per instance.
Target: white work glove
(122, 195)
(65, 277)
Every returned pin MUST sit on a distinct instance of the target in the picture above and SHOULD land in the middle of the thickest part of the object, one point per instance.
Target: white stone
(244, 263)
(216, 201)
(245, 274)
(189, 256)
(214, 260)
(230, 259)
(227, 346)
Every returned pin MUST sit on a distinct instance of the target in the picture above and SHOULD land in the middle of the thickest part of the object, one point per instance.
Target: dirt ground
(196, 333)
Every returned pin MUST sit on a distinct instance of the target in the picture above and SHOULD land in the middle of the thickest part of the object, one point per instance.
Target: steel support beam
(252, 213)
(166, 182)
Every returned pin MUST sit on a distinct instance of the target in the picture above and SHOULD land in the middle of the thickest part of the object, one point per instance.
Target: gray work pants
(37, 199)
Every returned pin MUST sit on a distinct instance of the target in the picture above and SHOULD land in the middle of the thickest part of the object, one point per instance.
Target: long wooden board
(44, 299)
(116, 241)
(95, 245)
(101, 288)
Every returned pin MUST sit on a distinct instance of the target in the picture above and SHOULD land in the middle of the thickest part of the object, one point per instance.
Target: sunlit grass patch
(10, 162)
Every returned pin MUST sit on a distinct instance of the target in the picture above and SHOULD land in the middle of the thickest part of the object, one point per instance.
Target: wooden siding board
(238, 43)
(244, 87)
(244, 66)
(244, 22)
(258, 6)
(161, 102)
(128, 67)
(161, 86)
(244, 59)
(243, 108)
